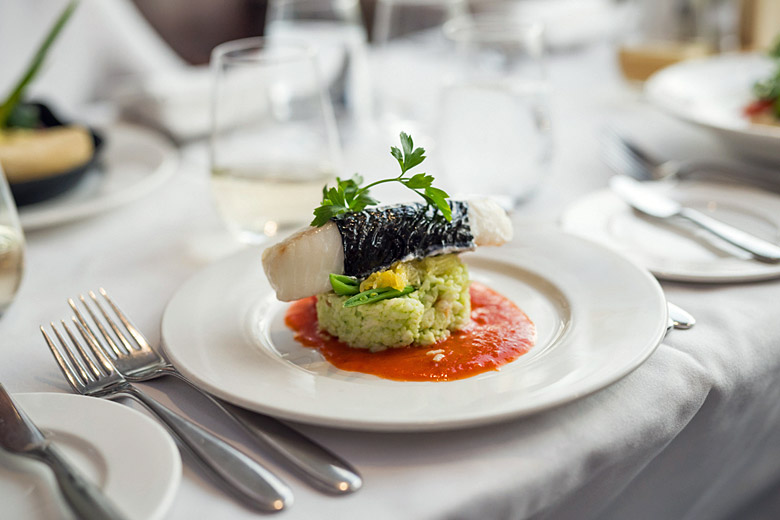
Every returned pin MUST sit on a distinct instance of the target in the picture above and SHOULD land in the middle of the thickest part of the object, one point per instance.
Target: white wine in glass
(274, 143)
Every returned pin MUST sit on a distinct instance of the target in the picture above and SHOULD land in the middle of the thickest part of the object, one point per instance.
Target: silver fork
(138, 361)
(624, 157)
(246, 478)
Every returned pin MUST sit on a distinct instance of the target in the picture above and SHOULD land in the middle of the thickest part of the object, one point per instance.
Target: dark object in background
(193, 27)
(38, 190)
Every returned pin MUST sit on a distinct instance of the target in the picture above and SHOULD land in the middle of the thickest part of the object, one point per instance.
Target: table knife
(647, 201)
(19, 435)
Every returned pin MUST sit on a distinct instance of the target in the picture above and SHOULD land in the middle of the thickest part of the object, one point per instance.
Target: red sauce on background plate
(498, 334)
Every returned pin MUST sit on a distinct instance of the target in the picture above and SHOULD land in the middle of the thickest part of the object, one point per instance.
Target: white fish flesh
(371, 240)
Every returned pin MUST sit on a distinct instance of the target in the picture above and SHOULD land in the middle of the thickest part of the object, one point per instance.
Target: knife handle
(322, 468)
(243, 476)
(759, 248)
(85, 499)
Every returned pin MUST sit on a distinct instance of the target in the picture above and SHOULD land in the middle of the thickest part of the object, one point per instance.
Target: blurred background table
(694, 433)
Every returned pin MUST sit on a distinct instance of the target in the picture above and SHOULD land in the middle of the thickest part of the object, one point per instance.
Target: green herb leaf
(375, 295)
(347, 196)
(18, 91)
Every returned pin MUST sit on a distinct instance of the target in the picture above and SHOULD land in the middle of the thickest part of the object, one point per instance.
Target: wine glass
(409, 53)
(493, 128)
(335, 29)
(274, 142)
(11, 247)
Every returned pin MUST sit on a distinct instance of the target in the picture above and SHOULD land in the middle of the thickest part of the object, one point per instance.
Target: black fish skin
(376, 238)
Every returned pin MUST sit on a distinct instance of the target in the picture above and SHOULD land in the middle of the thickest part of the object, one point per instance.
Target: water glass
(409, 54)
(335, 29)
(11, 247)
(493, 124)
(274, 142)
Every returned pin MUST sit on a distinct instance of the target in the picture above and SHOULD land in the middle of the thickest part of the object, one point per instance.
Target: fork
(246, 478)
(136, 360)
(625, 157)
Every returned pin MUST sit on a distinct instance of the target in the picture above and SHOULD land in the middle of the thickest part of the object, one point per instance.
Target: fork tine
(139, 338)
(79, 367)
(112, 323)
(95, 347)
(83, 353)
(77, 384)
(86, 325)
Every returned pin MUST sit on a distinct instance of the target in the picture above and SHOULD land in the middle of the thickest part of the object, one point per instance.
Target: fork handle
(83, 497)
(320, 467)
(245, 477)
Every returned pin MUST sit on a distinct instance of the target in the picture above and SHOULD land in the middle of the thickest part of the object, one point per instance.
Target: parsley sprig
(348, 196)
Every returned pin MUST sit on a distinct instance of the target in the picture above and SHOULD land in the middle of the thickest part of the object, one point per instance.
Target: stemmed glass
(409, 53)
(11, 247)
(493, 128)
(334, 28)
(274, 142)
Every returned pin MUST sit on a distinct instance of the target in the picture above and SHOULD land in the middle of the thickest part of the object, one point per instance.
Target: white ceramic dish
(134, 162)
(130, 457)
(680, 251)
(712, 93)
(598, 317)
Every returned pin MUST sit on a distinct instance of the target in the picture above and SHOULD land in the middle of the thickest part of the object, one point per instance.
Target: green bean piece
(344, 285)
(375, 295)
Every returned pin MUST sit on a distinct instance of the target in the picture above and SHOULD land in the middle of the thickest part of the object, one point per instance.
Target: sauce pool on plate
(498, 334)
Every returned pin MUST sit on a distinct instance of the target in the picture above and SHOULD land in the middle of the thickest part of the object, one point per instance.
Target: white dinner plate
(680, 251)
(713, 92)
(129, 456)
(132, 164)
(598, 317)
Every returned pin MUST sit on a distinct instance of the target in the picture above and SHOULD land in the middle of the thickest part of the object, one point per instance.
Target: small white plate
(133, 163)
(130, 457)
(679, 251)
(598, 317)
(713, 92)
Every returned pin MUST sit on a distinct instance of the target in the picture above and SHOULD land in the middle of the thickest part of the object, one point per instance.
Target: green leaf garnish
(18, 91)
(375, 295)
(348, 196)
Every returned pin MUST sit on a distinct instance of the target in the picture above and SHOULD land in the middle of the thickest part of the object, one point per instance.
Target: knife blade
(646, 201)
(19, 435)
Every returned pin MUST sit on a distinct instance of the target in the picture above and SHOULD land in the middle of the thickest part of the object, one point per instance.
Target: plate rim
(166, 442)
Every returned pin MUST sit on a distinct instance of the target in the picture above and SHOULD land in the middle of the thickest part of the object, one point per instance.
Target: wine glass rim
(491, 28)
(237, 51)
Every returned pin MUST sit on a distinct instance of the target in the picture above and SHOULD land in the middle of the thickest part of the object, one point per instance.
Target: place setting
(436, 284)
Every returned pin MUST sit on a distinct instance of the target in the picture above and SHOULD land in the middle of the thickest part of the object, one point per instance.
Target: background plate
(134, 162)
(712, 93)
(680, 251)
(598, 317)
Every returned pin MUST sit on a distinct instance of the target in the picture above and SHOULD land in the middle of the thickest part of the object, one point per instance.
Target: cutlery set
(102, 356)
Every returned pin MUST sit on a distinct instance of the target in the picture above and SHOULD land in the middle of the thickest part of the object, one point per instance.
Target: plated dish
(713, 93)
(133, 163)
(111, 443)
(679, 251)
(597, 316)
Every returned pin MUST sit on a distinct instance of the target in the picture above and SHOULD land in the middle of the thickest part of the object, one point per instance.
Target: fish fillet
(299, 266)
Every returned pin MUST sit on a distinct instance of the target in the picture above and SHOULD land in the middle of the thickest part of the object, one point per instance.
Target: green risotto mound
(439, 304)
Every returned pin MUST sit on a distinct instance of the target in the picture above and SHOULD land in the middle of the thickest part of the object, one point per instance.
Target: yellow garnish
(396, 277)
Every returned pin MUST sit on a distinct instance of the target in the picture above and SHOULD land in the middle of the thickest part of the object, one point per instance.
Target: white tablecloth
(694, 433)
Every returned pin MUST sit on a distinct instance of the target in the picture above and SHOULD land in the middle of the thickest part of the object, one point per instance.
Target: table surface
(693, 433)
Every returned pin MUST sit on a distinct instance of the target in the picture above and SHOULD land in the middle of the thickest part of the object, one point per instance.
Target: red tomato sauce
(498, 334)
